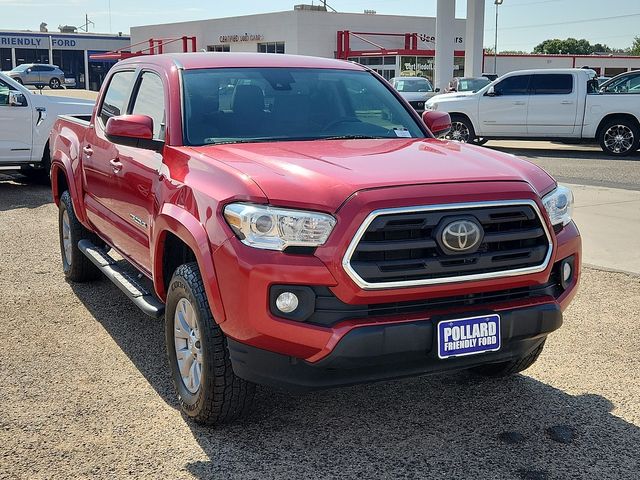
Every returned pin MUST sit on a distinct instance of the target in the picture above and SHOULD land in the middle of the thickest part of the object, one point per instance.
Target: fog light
(287, 302)
(566, 272)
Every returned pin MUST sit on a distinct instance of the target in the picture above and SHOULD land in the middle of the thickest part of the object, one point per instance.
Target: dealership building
(390, 44)
(393, 45)
(70, 51)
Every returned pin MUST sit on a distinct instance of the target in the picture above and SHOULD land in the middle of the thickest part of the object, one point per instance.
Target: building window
(71, 62)
(219, 48)
(271, 47)
(5, 59)
(29, 55)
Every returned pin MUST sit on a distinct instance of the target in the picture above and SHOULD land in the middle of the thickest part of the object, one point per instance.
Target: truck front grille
(403, 247)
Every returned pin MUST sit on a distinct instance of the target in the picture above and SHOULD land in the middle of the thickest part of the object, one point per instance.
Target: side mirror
(17, 99)
(439, 123)
(437, 90)
(132, 131)
(490, 92)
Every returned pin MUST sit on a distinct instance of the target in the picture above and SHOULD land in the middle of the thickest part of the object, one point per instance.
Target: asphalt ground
(85, 392)
(577, 164)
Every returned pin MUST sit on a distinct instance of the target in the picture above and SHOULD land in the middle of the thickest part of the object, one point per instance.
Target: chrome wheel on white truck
(619, 137)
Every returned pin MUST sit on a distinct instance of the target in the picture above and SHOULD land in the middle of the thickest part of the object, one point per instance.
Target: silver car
(416, 90)
(38, 74)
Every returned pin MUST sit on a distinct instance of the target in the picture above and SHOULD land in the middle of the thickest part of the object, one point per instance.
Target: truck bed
(79, 119)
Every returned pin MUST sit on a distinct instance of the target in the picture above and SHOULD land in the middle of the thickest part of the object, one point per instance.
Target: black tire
(19, 80)
(512, 367)
(619, 137)
(41, 175)
(77, 268)
(461, 130)
(55, 83)
(480, 140)
(221, 396)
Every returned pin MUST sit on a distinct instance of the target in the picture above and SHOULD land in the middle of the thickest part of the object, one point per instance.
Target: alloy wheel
(459, 132)
(618, 139)
(66, 237)
(187, 344)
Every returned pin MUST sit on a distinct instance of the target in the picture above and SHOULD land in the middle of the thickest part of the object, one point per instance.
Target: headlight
(559, 205)
(272, 228)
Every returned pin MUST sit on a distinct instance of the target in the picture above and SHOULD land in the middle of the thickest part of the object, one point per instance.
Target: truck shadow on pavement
(453, 426)
(16, 192)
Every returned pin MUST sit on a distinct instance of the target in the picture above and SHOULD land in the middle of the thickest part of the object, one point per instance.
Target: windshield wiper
(351, 137)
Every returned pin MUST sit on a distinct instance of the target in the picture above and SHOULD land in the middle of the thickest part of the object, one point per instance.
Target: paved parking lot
(86, 392)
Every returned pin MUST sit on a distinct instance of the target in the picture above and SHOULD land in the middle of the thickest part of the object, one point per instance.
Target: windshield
(21, 68)
(412, 85)
(472, 84)
(229, 105)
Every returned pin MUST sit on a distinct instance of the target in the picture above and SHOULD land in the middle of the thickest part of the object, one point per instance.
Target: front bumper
(245, 277)
(386, 351)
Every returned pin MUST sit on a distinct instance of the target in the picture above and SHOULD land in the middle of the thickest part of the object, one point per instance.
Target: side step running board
(143, 299)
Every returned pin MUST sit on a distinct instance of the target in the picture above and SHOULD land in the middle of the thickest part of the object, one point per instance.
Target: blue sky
(523, 23)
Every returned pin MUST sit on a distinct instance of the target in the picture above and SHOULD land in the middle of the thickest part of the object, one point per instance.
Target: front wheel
(54, 83)
(461, 130)
(208, 389)
(619, 137)
(511, 367)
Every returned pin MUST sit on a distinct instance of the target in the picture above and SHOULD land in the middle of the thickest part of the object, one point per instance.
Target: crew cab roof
(191, 61)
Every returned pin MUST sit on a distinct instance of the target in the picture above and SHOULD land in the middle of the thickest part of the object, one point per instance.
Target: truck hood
(66, 104)
(417, 96)
(451, 96)
(322, 174)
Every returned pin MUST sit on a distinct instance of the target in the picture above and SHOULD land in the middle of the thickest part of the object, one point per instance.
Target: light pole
(495, 44)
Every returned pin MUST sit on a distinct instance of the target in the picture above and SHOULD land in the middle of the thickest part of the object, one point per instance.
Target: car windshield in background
(22, 68)
(412, 85)
(230, 105)
(472, 84)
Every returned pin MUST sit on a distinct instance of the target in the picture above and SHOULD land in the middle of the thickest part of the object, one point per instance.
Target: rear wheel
(54, 83)
(461, 130)
(511, 367)
(77, 267)
(619, 137)
(208, 389)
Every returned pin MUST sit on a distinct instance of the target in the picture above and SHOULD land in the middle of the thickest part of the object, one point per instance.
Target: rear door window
(516, 85)
(115, 98)
(552, 84)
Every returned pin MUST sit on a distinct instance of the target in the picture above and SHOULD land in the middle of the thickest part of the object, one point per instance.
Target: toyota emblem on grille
(461, 235)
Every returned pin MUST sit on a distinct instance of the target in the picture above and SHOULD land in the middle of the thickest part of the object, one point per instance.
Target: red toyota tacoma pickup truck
(298, 225)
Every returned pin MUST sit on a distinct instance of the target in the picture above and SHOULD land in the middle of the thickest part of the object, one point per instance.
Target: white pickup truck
(559, 104)
(26, 120)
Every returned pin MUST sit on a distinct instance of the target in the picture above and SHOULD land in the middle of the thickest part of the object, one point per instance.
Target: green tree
(635, 48)
(570, 46)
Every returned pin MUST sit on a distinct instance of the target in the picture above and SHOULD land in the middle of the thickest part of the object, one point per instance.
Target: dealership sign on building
(63, 42)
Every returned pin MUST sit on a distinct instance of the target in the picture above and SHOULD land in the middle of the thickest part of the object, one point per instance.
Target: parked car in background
(467, 84)
(416, 90)
(558, 104)
(291, 239)
(25, 123)
(627, 82)
(38, 74)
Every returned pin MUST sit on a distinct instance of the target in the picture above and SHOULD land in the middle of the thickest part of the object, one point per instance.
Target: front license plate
(468, 336)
